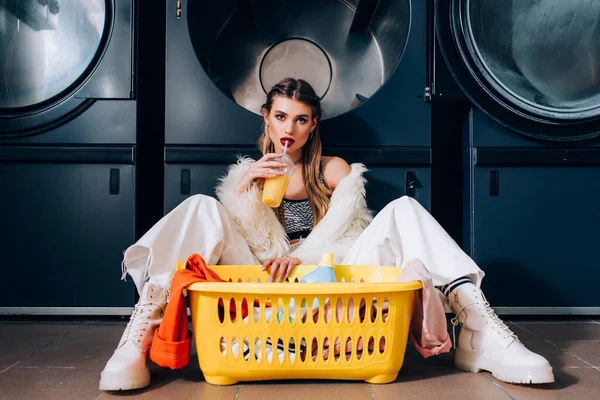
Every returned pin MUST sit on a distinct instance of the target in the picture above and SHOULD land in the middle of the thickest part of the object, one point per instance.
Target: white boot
(128, 367)
(486, 343)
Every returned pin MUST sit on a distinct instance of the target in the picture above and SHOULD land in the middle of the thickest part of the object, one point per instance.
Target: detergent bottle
(323, 273)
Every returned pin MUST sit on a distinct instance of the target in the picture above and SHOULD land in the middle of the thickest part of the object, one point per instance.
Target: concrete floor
(52, 359)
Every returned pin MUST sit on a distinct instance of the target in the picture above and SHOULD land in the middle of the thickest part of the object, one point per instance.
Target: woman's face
(289, 119)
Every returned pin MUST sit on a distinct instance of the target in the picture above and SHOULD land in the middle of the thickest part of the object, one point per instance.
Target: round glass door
(537, 60)
(543, 54)
(46, 48)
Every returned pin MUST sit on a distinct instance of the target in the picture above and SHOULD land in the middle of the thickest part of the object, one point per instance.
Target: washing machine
(366, 60)
(67, 155)
(530, 73)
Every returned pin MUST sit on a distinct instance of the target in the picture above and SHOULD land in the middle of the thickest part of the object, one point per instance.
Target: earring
(312, 133)
(267, 128)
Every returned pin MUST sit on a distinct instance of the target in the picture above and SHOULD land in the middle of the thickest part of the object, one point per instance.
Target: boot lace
(487, 312)
(138, 322)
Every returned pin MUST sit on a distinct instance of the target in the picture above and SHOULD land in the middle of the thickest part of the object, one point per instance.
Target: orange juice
(274, 189)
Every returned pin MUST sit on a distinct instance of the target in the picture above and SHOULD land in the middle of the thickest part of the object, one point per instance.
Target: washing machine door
(532, 65)
(58, 56)
(224, 56)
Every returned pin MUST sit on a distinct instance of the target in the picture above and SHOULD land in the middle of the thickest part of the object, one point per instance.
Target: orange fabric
(172, 340)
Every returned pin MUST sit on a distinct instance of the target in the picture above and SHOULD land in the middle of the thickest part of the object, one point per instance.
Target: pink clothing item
(428, 331)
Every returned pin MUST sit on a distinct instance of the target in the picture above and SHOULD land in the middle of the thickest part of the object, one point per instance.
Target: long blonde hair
(318, 193)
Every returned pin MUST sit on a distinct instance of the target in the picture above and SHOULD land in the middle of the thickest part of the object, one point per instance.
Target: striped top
(298, 216)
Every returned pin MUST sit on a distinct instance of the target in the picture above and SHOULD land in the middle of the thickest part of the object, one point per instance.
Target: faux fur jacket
(344, 221)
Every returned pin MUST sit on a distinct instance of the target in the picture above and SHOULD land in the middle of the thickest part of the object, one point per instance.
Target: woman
(324, 210)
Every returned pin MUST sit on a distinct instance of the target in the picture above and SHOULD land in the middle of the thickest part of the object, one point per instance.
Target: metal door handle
(411, 183)
(494, 183)
(178, 9)
(186, 181)
(114, 185)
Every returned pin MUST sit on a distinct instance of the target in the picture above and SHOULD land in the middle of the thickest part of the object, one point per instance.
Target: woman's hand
(280, 268)
(260, 170)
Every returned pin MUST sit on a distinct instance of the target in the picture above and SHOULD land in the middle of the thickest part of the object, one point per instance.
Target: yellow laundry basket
(249, 330)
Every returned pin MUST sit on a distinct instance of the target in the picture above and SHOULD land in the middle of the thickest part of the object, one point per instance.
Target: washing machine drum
(346, 49)
(51, 54)
(533, 65)
(45, 47)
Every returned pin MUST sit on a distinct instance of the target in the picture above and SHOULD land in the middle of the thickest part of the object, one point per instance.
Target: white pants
(402, 231)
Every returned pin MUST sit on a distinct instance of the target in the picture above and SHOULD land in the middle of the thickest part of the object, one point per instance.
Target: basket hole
(362, 280)
(246, 349)
(374, 310)
(245, 307)
(296, 280)
(352, 280)
(292, 310)
(250, 280)
(351, 310)
(230, 280)
(292, 350)
(239, 280)
(315, 310)
(280, 311)
(221, 310)
(314, 349)
(327, 311)
(348, 349)
(362, 310)
(256, 311)
(385, 309)
(280, 350)
(269, 350)
(359, 348)
(268, 312)
(382, 345)
(326, 349)
(371, 345)
(258, 280)
(223, 346)
(303, 350)
(257, 349)
(343, 280)
(339, 311)
(337, 349)
(234, 347)
(232, 309)
(303, 310)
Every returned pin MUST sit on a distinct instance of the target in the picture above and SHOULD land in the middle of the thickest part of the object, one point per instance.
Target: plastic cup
(274, 188)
